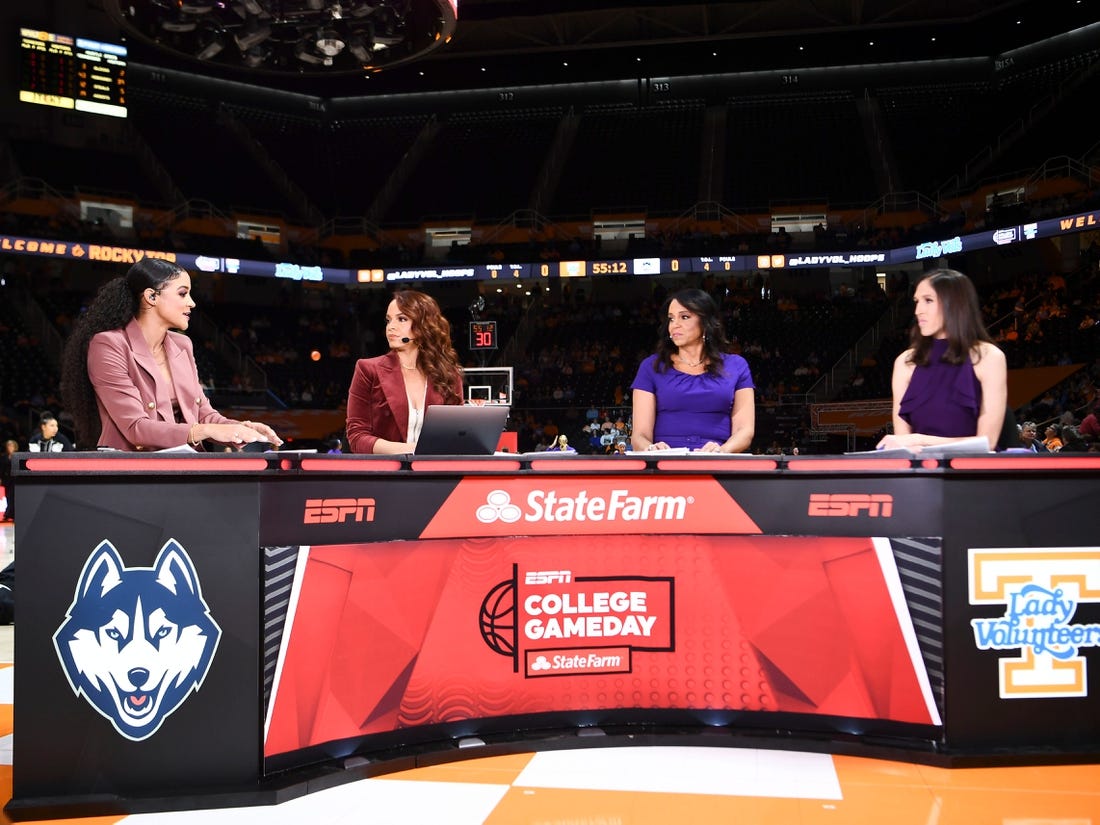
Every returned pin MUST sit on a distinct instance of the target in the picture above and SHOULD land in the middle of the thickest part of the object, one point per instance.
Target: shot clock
(483, 335)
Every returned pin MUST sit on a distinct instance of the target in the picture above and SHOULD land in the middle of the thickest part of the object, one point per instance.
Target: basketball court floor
(670, 785)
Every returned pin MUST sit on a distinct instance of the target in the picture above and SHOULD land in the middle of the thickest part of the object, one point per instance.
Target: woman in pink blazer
(389, 394)
(131, 382)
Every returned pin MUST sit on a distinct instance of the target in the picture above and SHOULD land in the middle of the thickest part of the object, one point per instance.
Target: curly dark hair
(710, 319)
(114, 306)
(436, 355)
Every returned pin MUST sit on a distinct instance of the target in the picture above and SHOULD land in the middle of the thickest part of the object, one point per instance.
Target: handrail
(228, 349)
(831, 380)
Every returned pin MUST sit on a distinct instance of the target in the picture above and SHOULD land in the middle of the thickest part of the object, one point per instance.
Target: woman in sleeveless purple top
(942, 399)
(691, 393)
(951, 383)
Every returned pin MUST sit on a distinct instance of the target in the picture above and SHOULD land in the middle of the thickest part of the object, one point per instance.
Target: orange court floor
(646, 785)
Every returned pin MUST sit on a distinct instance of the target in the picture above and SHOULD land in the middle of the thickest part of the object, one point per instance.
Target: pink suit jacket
(135, 400)
(377, 404)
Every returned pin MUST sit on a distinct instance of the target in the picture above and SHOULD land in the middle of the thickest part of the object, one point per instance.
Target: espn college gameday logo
(1039, 589)
(559, 624)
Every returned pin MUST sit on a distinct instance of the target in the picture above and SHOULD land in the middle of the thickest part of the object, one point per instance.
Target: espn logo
(548, 577)
(839, 506)
(338, 510)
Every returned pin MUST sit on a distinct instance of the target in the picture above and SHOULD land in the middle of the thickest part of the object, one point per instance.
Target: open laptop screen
(461, 430)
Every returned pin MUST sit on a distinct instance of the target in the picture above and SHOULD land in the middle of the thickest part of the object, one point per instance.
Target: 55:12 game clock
(483, 335)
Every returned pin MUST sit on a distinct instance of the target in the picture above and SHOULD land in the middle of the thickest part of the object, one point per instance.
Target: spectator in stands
(131, 382)
(1074, 443)
(561, 445)
(952, 382)
(389, 393)
(1052, 439)
(1029, 438)
(692, 392)
(49, 438)
(1089, 428)
(11, 446)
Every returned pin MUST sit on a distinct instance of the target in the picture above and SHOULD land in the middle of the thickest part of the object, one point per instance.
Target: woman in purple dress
(692, 393)
(951, 383)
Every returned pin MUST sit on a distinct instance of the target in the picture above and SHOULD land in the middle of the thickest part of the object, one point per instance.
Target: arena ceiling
(502, 43)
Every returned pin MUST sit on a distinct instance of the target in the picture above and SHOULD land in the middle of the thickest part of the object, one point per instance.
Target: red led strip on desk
(583, 464)
(716, 465)
(460, 466)
(847, 465)
(1026, 463)
(54, 464)
(338, 465)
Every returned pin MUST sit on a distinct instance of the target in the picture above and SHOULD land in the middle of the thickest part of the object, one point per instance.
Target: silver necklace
(687, 363)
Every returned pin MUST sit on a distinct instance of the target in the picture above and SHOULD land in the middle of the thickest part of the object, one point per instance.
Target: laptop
(450, 429)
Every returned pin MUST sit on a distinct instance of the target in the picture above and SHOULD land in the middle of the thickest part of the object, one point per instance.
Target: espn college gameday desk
(211, 630)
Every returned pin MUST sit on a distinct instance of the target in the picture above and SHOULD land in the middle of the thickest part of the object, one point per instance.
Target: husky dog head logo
(136, 641)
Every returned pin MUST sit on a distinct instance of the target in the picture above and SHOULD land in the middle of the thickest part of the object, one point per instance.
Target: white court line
(7, 685)
(374, 801)
(692, 770)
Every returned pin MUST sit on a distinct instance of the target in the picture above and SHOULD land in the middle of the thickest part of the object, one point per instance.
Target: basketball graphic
(498, 618)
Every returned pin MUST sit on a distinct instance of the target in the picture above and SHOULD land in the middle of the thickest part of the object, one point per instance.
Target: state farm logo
(589, 505)
(558, 624)
(338, 510)
(498, 506)
(555, 506)
(834, 505)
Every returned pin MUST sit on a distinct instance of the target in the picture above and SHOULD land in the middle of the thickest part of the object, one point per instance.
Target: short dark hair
(46, 417)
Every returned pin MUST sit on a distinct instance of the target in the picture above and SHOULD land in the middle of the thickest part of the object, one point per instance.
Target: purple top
(942, 399)
(693, 409)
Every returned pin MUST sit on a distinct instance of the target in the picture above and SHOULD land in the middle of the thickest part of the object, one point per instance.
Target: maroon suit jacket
(377, 404)
(135, 400)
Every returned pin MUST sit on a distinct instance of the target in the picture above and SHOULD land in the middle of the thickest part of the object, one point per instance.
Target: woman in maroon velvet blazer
(130, 382)
(389, 394)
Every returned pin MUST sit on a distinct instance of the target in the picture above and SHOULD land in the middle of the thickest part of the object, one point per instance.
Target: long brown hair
(962, 318)
(436, 355)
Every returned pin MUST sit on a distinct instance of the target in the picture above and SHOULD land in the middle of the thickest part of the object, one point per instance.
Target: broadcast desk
(214, 630)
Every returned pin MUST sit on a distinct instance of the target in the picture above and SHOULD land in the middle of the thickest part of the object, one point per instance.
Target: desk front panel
(137, 649)
(426, 608)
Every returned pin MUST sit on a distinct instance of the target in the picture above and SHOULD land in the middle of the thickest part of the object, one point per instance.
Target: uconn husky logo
(137, 640)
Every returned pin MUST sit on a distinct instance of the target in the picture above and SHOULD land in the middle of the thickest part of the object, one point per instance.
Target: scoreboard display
(483, 335)
(72, 73)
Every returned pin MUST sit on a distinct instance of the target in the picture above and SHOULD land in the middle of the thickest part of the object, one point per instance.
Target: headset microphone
(405, 340)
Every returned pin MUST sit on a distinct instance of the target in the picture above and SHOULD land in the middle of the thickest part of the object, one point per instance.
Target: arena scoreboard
(72, 73)
(518, 272)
